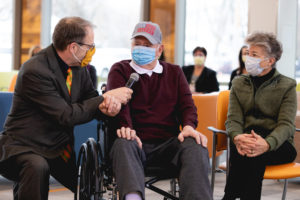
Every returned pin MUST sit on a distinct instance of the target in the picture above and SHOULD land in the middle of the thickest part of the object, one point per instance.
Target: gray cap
(149, 30)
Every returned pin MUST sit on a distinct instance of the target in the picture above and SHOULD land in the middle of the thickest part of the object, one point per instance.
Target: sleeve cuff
(272, 143)
(232, 135)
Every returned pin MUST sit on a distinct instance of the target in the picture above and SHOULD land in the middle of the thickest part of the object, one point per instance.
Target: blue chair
(5, 105)
(83, 132)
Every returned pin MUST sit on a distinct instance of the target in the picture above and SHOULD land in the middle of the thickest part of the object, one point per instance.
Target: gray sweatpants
(188, 158)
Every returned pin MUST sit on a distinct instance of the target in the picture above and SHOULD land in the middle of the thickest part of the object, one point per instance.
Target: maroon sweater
(159, 103)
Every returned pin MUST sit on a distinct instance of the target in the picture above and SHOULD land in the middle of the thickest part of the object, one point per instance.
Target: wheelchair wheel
(90, 179)
(82, 190)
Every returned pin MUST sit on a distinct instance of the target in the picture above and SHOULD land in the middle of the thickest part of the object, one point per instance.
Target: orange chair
(206, 110)
(283, 171)
(13, 83)
(219, 136)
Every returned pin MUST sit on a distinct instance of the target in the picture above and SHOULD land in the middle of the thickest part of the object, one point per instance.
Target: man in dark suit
(38, 139)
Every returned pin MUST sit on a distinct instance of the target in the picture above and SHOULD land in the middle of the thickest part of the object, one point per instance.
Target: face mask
(252, 65)
(244, 58)
(199, 60)
(143, 55)
(87, 58)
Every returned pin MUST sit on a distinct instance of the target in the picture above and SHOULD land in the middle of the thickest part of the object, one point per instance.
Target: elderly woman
(260, 121)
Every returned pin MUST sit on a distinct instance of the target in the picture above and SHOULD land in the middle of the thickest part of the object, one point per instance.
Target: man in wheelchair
(148, 126)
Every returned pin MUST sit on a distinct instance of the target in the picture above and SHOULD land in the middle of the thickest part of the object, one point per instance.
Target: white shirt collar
(157, 69)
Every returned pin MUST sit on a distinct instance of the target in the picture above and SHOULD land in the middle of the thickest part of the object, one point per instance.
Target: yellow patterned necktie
(66, 152)
(69, 80)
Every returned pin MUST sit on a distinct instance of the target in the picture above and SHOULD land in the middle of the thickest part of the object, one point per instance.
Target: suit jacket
(207, 82)
(43, 113)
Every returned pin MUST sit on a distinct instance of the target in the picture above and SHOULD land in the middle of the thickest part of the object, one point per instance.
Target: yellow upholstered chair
(298, 87)
(12, 84)
(283, 171)
(5, 79)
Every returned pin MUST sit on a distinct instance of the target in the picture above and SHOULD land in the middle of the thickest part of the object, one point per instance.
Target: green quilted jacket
(272, 107)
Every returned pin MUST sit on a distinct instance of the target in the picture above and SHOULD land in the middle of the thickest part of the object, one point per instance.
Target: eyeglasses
(89, 45)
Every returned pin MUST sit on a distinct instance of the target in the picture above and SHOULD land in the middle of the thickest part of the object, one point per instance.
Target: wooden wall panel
(162, 12)
(31, 26)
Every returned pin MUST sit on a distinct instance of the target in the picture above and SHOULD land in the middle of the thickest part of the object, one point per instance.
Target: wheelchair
(95, 176)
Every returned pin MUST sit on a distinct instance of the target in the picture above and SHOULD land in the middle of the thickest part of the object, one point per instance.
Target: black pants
(246, 174)
(188, 158)
(31, 173)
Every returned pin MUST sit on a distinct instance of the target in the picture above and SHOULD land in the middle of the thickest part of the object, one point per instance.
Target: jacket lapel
(54, 67)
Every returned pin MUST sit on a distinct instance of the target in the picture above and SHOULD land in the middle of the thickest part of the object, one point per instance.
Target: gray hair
(68, 30)
(268, 41)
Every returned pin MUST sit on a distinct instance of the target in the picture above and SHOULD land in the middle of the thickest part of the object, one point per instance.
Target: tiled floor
(272, 190)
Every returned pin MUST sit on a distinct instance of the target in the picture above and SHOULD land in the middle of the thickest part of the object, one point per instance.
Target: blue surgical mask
(143, 55)
(252, 66)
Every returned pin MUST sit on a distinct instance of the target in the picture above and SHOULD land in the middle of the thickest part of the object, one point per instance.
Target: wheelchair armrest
(215, 130)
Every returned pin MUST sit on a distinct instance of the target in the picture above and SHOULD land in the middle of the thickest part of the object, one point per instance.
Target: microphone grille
(134, 76)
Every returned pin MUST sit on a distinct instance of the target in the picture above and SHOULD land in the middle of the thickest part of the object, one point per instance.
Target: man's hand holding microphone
(113, 99)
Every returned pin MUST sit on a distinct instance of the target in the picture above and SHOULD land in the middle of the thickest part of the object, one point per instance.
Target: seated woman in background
(261, 115)
(241, 70)
(200, 78)
(34, 50)
(93, 74)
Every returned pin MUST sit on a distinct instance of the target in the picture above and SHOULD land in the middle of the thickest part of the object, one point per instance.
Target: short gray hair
(268, 41)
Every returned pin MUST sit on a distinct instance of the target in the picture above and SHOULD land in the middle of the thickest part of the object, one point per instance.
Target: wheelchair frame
(95, 174)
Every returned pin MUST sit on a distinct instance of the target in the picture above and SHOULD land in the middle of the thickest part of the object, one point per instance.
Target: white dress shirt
(157, 69)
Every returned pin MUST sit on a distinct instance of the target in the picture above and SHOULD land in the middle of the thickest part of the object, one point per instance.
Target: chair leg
(284, 189)
(227, 157)
(173, 186)
(213, 167)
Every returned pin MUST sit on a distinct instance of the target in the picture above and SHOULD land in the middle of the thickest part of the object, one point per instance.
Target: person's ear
(160, 50)
(72, 47)
(271, 61)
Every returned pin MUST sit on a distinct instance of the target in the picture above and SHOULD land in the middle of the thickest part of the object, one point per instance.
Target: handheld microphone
(134, 77)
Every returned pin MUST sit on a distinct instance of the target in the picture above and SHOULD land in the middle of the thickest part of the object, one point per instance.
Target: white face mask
(199, 60)
(252, 65)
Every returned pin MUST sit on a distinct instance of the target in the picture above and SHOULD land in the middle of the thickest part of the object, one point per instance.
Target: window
(114, 20)
(6, 35)
(219, 26)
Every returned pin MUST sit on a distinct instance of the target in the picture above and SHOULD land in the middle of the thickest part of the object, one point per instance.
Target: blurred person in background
(241, 69)
(93, 74)
(34, 50)
(201, 79)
